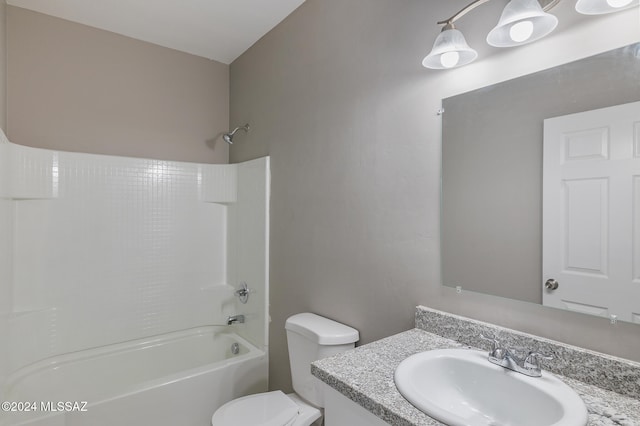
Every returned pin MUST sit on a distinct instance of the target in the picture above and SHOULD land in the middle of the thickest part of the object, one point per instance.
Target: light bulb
(449, 59)
(618, 3)
(522, 31)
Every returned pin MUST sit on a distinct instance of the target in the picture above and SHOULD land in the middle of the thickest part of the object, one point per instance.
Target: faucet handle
(242, 292)
(496, 351)
(532, 361)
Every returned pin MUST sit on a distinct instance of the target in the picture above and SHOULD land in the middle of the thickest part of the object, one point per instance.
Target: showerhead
(228, 137)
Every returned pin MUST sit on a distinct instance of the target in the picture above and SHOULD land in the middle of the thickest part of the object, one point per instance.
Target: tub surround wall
(248, 248)
(337, 96)
(617, 402)
(111, 249)
(6, 258)
(77, 88)
(5, 210)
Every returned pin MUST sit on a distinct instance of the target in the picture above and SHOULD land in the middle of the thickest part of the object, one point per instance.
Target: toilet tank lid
(322, 330)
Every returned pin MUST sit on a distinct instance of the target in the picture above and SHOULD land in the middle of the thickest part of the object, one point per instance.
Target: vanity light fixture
(449, 50)
(521, 22)
(599, 7)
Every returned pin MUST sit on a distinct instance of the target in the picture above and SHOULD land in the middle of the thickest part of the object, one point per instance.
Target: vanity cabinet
(340, 410)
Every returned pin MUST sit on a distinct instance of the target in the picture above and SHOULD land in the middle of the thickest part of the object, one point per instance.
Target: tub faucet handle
(243, 292)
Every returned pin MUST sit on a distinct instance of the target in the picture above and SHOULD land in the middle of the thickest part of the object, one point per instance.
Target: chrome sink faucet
(517, 359)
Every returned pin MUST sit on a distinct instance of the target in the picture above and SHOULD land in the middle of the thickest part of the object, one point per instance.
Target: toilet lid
(263, 409)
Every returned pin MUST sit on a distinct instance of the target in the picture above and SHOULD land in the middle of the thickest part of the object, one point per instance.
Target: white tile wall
(108, 249)
(5, 152)
(219, 184)
(34, 173)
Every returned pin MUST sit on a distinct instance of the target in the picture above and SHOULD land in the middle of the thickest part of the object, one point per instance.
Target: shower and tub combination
(132, 291)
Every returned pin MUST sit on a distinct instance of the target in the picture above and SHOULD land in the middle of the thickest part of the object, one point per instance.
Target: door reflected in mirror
(590, 216)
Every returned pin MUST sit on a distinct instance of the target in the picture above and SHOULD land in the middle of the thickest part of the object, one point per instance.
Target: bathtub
(175, 379)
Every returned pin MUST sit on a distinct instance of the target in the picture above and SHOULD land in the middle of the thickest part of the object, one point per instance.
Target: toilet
(310, 337)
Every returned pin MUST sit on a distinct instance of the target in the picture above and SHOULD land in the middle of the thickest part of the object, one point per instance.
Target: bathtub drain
(235, 348)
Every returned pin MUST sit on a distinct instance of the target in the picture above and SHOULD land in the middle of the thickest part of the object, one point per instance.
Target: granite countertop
(365, 375)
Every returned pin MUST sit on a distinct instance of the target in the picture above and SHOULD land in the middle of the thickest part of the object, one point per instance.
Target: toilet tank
(311, 337)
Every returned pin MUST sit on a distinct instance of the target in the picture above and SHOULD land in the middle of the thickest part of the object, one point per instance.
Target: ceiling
(215, 29)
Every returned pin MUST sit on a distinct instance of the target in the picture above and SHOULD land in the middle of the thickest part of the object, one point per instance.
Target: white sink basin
(460, 387)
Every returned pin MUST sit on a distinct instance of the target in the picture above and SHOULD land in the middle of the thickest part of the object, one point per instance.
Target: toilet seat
(262, 409)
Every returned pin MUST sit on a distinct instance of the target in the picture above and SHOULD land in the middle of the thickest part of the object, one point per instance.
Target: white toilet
(310, 337)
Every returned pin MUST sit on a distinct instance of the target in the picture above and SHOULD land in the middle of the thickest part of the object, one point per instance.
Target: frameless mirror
(492, 187)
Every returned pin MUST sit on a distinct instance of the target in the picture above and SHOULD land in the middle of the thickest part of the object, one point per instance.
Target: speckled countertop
(365, 374)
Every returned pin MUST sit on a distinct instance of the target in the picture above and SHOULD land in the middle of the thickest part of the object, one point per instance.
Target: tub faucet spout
(235, 319)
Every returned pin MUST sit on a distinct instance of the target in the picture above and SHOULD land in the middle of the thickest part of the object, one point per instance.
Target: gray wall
(76, 88)
(492, 168)
(338, 98)
(3, 64)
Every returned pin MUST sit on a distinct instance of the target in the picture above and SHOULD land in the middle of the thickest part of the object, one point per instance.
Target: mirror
(492, 170)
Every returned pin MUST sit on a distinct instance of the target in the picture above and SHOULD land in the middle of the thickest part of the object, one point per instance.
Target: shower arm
(245, 128)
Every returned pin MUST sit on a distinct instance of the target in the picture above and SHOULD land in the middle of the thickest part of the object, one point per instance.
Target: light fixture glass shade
(521, 22)
(449, 50)
(600, 7)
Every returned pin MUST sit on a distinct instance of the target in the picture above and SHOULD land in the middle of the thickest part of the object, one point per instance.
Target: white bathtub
(176, 379)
